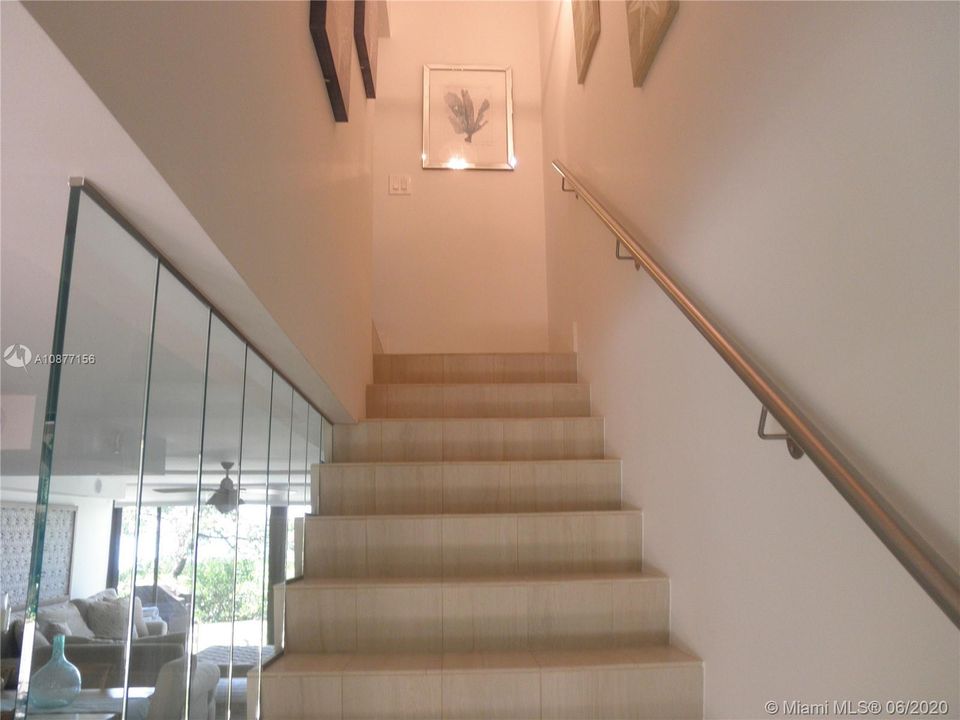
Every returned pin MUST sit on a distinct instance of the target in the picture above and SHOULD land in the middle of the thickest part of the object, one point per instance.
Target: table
(92, 704)
(245, 657)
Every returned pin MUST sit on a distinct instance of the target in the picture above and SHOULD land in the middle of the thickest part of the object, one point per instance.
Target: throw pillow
(108, 618)
(67, 614)
(51, 629)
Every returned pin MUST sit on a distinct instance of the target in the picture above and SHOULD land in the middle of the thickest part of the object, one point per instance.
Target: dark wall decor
(366, 33)
(331, 25)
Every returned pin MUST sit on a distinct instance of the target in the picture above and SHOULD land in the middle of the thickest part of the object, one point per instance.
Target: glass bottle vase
(57, 683)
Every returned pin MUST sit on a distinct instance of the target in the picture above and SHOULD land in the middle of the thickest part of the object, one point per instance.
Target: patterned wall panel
(16, 539)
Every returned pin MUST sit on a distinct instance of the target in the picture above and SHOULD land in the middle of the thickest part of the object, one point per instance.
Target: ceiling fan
(225, 497)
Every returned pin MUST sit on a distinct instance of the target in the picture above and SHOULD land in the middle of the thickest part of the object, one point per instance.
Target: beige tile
(602, 482)
(383, 368)
(570, 400)
(479, 488)
(540, 439)
(572, 695)
(405, 619)
(321, 620)
(359, 442)
(519, 660)
(479, 545)
(410, 440)
(583, 438)
(560, 367)
(583, 615)
(491, 696)
(661, 693)
(378, 401)
(469, 369)
(403, 547)
(281, 698)
(471, 401)
(394, 664)
(526, 400)
(415, 401)
(322, 699)
(484, 617)
(578, 542)
(520, 368)
(386, 697)
(346, 489)
(310, 664)
(547, 486)
(560, 485)
(335, 547)
(408, 368)
(408, 489)
(472, 440)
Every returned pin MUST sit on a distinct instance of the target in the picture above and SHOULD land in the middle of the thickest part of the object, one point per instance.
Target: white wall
(796, 166)
(459, 264)
(226, 101)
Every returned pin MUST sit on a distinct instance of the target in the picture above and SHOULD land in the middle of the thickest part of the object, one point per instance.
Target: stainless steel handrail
(934, 574)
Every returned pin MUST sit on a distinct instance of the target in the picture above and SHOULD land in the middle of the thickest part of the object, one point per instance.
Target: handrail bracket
(796, 452)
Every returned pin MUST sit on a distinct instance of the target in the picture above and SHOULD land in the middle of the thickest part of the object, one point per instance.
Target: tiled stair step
(535, 612)
(656, 682)
(476, 368)
(469, 439)
(472, 545)
(493, 400)
(466, 487)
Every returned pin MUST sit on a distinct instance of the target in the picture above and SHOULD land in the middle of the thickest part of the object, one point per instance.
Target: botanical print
(462, 116)
(647, 24)
(586, 31)
(467, 118)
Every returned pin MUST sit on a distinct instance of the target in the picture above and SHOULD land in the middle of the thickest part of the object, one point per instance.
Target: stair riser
(646, 693)
(466, 487)
(480, 439)
(482, 368)
(469, 546)
(486, 401)
(477, 617)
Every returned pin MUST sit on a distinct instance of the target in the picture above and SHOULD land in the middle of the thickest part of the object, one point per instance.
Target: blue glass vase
(57, 683)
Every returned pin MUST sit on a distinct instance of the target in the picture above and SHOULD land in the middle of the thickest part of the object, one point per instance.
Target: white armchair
(168, 697)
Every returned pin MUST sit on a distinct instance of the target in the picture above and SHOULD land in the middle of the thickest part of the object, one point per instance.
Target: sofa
(95, 640)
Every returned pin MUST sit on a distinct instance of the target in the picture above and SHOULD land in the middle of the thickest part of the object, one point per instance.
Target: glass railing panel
(220, 496)
(277, 500)
(248, 606)
(94, 421)
(166, 504)
(298, 487)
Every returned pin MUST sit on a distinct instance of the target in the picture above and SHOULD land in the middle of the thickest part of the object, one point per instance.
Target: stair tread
(648, 656)
(408, 463)
(474, 385)
(485, 515)
(503, 579)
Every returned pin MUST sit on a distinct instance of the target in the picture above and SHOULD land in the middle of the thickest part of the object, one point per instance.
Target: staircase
(470, 558)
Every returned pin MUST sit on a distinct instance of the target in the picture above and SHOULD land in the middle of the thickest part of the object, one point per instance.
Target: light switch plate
(399, 185)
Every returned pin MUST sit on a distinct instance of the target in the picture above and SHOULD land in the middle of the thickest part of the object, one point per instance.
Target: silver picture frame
(461, 102)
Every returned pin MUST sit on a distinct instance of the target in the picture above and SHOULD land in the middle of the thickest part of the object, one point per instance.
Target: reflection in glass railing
(168, 512)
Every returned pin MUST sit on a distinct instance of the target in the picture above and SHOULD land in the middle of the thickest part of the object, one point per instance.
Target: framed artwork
(468, 117)
(586, 31)
(366, 33)
(647, 24)
(331, 27)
